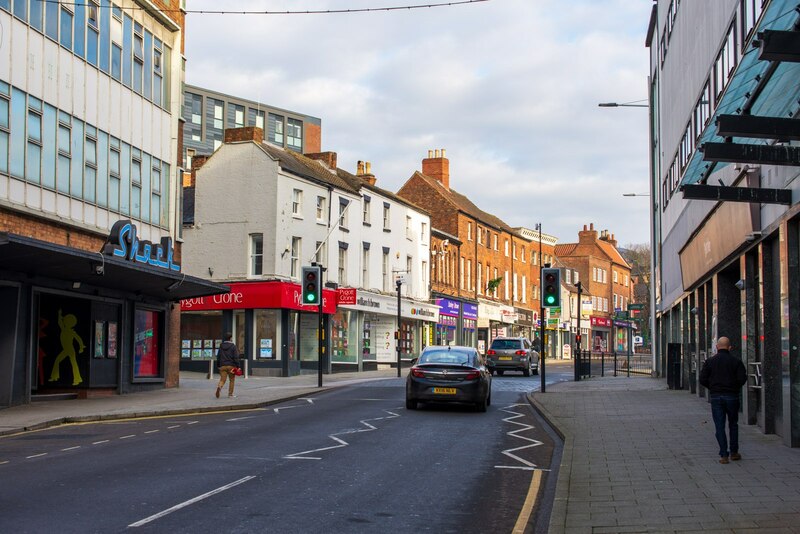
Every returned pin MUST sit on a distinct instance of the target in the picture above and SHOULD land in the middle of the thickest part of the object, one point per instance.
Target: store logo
(368, 302)
(420, 311)
(124, 243)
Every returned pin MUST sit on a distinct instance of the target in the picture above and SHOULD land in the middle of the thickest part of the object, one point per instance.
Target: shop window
(344, 337)
(267, 334)
(147, 344)
(63, 339)
(201, 335)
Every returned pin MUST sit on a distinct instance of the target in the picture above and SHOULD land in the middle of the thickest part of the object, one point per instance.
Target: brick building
(490, 265)
(89, 195)
(606, 277)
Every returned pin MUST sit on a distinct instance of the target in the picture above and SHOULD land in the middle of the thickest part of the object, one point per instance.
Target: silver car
(512, 354)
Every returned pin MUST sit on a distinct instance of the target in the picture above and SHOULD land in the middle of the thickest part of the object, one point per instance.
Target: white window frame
(365, 267)
(342, 268)
(252, 266)
(294, 259)
(321, 202)
(297, 203)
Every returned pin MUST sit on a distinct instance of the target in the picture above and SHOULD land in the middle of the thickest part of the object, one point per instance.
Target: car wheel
(526, 371)
(500, 372)
(411, 404)
(489, 399)
(536, 371)
(482, 404)
(491, 372)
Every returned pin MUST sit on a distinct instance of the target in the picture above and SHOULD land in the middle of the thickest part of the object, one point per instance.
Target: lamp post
(399, 284)
(632, 104)
(541, 315)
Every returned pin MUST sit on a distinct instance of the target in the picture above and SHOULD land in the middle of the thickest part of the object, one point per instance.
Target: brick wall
(443, 215)
(313, 138)
(44, 230)
(246, 133)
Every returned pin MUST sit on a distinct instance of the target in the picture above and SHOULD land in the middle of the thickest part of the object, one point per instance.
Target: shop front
(364, 326)
(494, 320)
(458, 322)
(623, 335)
(601, 333)
(90, 323)
(525, 322)
(271, 326)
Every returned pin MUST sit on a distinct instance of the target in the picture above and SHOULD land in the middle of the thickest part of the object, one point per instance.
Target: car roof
(452, 348)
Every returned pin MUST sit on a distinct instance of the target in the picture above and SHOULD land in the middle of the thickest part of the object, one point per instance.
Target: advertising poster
(65, 334)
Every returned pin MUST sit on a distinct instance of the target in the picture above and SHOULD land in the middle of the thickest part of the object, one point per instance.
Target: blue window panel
(167, 57)
(137, 77)
(113, 193)
(21, 9)
(158, 90)
(148, 66)
(5, 88)
(105, 35)
(62, 173)
(127, 50)
(147, 165)
(116, 62)
(36, 18)
(90, 170)
(49, 154)
(155, 205)
(5, 4)
(91, 46)
(3, 112)
(102, 169)
(76, 184)
(34, 126)
(51, 20)
(136, 201)
(3, 152)
(165, 194)
(66, 28)
(125, 178)
(80, 28)
(19, 111)
(33, 166)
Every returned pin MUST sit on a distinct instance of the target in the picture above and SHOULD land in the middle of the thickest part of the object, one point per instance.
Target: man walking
(724, 376)
(228, 360)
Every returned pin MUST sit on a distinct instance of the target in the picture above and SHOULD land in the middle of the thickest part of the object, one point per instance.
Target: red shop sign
(347, 296)
(601, 321)
(247, 295)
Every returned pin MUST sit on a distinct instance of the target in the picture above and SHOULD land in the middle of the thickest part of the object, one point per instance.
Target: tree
(638, 256)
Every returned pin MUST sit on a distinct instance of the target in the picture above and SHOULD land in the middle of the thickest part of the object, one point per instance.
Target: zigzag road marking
(309, 401)
(340, 442)
(526, 465)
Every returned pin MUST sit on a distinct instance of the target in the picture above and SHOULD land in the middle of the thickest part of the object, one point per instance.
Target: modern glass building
(725, 184)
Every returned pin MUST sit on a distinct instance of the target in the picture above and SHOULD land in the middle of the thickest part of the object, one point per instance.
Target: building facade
(207, 114)
(724, 186)
(89, 189)
(606, 279)
(260, 213)
(491, 262)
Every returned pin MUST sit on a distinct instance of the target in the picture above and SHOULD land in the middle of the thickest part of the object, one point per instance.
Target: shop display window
(368, 339)
(147, 344)
(344, 337)
(268, 334)
(406, 338)
(201, 334)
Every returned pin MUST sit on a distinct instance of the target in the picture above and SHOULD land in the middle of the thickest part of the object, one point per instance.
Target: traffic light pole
(576, 358)
(397, 337)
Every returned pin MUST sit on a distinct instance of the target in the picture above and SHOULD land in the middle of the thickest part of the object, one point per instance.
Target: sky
(509, 88)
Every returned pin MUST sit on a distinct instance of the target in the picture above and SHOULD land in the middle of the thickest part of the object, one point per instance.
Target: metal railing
(614, 364)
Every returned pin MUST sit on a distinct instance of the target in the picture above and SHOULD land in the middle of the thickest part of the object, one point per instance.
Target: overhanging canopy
(778, 98)
(41, 258)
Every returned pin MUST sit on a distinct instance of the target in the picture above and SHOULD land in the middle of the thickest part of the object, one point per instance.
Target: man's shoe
(231, 396)
(735, 456)
(724, 460)
(217, 393)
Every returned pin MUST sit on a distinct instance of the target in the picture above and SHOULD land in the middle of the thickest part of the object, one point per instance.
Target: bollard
(246, 368)
(602, 364)
(629, 365)
(615, 363)
(210, 374)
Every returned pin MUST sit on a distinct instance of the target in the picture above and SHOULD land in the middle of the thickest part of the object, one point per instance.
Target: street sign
(636, 306)
(621, 315)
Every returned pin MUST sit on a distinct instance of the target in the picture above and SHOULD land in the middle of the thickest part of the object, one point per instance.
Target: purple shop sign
(470, 311)
(448, 307)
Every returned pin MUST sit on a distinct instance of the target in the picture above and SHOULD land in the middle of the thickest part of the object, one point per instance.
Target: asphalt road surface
(349, 460)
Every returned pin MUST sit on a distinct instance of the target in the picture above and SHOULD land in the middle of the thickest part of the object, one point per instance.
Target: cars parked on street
(512, 354)
(449, 374)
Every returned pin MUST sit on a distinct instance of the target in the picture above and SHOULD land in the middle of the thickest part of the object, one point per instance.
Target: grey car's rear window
(446, 356)
(506, 344)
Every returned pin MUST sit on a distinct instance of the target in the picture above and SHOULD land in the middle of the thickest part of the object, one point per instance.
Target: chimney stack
(328, 158)
(364, 171)
(437, 167)
(247, 133)
(587, 236)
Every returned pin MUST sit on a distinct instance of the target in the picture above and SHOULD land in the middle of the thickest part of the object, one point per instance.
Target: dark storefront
(84, 323)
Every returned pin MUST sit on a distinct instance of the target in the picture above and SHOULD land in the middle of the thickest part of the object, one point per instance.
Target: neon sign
(124, 243)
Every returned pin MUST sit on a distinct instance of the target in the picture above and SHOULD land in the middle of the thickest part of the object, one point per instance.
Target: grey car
(512, 354)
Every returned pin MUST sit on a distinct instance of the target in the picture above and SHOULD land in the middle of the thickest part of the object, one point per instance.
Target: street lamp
(632, 104)
(635, 194)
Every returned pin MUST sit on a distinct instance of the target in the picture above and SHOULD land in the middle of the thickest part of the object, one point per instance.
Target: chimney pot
(359, 168)
(443, 154)
(368, 167)
(591, 226)
(437, 167)
(436, 154)
(584, 228)
(430, 154)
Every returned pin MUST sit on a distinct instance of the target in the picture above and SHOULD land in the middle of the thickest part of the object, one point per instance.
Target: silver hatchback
(512, 354)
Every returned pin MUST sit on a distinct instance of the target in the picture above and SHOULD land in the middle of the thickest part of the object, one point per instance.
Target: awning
(778, 98)
(41, 258)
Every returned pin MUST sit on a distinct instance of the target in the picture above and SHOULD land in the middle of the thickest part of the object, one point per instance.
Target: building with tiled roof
(606, 278)
(492, 294)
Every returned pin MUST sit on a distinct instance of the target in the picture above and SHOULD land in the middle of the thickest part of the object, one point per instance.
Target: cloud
(509, 87)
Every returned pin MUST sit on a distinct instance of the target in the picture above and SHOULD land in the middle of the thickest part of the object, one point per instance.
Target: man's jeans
(723, 406)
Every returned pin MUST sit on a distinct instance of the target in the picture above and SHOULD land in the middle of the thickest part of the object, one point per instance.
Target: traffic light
(551, 288)
(310, 278)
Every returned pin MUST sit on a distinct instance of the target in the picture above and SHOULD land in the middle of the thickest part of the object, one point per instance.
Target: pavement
(637, 457)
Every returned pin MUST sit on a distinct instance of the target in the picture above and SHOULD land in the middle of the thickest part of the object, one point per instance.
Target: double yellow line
(530, 502)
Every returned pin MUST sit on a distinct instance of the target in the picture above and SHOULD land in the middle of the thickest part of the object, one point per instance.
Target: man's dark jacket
(723, 374)
(227, 355)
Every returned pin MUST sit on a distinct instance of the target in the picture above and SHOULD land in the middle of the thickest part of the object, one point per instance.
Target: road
(347, 460)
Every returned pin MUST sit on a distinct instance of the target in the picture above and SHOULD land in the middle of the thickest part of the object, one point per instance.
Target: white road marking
(278, 410)
(241, 418)
(4, 462)
(35, 455)
(150, 431)
(99, 442)
(72, 448)
(173, 426)
(192, 422)
(128, 436)
(341, 443)
(307, 399)
(189, 502)
(528, 466)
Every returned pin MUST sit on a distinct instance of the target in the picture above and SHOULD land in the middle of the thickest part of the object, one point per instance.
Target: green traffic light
(310, 297)
(551, 299)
